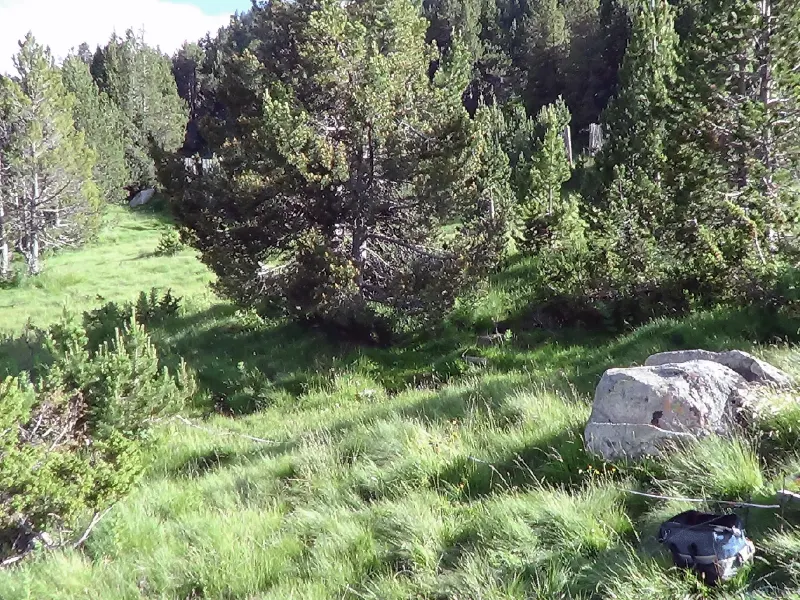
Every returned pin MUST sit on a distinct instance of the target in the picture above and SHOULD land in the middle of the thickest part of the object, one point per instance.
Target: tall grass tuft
(715, 467)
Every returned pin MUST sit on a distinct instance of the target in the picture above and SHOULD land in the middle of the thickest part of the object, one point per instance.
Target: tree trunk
(34, 267)
(765, 90)
(568, 144)
(364, 174)
(742, 150)
(5, 258)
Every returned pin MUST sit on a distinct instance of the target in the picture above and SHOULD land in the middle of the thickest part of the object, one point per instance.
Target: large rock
(142, 198)
(746, 365)
(642, 410)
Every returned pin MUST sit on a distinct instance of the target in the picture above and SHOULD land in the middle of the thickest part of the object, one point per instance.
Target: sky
(65, 24)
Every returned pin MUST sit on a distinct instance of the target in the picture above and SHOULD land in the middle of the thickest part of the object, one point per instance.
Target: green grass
(400, 473)
(115, 267)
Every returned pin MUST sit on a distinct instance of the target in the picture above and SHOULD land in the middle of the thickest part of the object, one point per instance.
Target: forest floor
(341, 472)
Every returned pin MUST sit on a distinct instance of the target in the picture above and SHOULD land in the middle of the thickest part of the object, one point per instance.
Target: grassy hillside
(119, 264)
(337, 472)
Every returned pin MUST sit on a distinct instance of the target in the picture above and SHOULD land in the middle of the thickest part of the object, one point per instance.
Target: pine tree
(737, 148)
(545, 53)
(103, 125)
(186, 66)
(348, 174)
(599, 30)
(489, 188)
(637, 120)
(139, 79)
(9, 125)
(547, 219)
(56, 196)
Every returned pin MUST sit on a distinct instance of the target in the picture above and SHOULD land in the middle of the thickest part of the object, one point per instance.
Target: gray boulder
(142, 198)
(746, 365)
(642, 410)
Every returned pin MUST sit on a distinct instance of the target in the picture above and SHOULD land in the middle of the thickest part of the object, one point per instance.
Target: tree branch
(421, 250)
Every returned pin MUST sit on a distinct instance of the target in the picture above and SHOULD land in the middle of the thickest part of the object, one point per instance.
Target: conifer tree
(737, 148)
(547, 218)
(139, 79)
(545, 53)
(56, 197)
(348, 174)
(637, 121)
(186, 66)
(102, 123)
(10, 100)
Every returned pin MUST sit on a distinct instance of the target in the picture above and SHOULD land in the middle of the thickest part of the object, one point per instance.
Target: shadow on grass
(246, 365)
(201, 464)
(206, 463)
(558, 460)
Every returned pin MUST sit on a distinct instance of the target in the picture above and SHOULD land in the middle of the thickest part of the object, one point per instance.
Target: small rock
(616, 441)
(491, 340)
(786, 497)
(476, 360)
(44, 539)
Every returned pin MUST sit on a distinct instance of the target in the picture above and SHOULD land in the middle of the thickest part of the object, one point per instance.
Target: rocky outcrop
(643, 410)
(746, 365)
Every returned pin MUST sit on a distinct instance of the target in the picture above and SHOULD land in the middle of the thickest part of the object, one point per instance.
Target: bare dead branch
(95, 520)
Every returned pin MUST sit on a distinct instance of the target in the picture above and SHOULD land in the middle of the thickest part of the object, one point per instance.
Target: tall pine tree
(737, 147)
(637, 120)
(139, 79)
(51, 164)
(10, 122)
(103, 124)
(547, 218)
(351, 171)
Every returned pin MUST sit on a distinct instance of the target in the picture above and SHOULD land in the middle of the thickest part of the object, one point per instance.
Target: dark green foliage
(692, 201)
(534, 52)
(103, 125)
(637, 120)
(100, 325)
(72, 440)
(139, 80)
(353, 181)
(548, 220)
(735, 148)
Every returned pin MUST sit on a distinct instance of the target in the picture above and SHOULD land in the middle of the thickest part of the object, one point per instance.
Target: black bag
(713, 545)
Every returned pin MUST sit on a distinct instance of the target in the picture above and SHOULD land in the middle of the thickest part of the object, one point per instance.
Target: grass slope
(117, 266)
(402, 473)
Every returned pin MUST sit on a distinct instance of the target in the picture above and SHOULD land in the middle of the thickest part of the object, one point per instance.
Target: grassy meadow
(311, 469)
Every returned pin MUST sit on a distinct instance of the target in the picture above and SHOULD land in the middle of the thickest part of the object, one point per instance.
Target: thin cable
(700, 501)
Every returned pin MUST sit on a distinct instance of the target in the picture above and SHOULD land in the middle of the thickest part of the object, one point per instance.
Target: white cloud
(65, 24)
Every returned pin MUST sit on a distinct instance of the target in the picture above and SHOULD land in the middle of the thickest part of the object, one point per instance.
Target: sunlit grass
(114, 267)
(337, 472)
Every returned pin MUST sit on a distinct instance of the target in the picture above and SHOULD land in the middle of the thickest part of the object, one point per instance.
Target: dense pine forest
(348, 348)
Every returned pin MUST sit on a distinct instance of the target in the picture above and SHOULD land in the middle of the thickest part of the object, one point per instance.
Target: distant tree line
(375, 159)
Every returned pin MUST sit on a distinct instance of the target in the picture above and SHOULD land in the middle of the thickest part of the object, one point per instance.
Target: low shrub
(149, 309)
(72, 440)
(169, 244)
